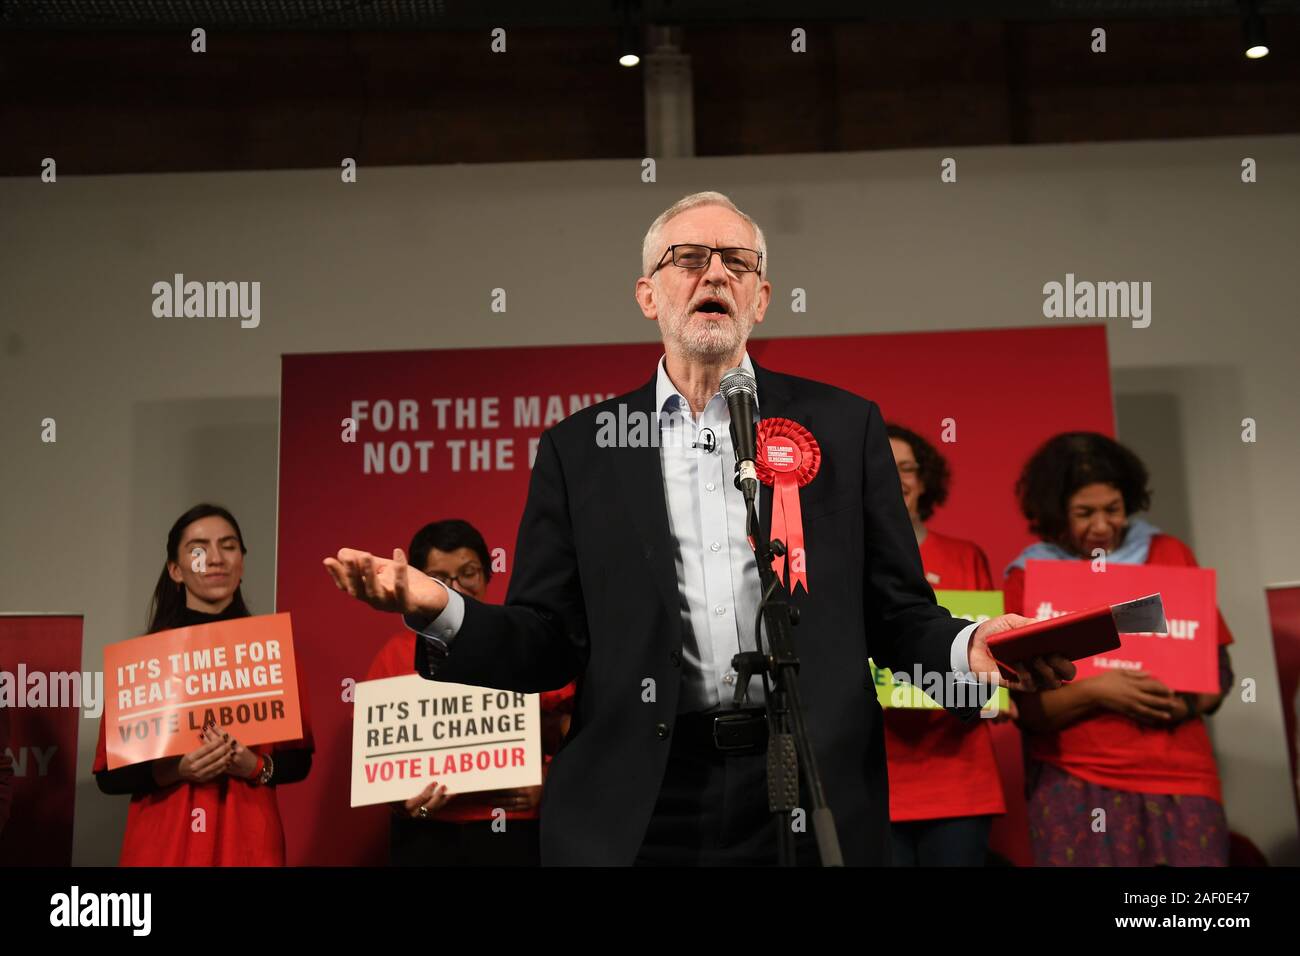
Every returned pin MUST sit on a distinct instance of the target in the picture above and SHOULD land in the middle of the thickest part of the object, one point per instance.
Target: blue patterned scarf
(1134, 549)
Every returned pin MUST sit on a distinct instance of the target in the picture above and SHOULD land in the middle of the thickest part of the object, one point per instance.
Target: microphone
(741, 392)
(707, 440)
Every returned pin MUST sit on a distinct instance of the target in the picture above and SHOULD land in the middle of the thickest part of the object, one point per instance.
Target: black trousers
(439, 843)
(953, 841)
(712, 811)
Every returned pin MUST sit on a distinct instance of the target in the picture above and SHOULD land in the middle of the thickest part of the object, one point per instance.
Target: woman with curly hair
(1120, 741)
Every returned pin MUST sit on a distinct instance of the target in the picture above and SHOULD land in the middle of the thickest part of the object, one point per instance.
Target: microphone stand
(788, 746)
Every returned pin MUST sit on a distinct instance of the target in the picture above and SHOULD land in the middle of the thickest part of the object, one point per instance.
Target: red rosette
(788, 458)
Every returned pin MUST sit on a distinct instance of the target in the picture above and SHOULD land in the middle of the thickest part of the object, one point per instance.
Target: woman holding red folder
(1121, 742)
(214, 806)
(933, 822)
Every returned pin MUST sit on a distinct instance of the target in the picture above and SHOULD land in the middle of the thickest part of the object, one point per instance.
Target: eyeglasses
(691, 256)
(909, 468)
(467, 575)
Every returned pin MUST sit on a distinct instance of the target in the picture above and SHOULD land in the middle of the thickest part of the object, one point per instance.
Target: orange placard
(163, 687)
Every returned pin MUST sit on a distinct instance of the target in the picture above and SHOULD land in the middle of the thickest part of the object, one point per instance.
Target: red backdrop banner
(375, 445)
(1284, 616)
(41, 650)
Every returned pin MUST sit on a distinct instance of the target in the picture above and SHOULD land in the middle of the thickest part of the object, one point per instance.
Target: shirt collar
(666, 392)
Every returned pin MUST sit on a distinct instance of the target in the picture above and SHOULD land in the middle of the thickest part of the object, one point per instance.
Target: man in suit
(633, 575)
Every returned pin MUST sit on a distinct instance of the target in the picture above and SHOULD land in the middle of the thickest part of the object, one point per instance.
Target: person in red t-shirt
(435, 827)
(216, 805)
(943, 776)
(1121, 742)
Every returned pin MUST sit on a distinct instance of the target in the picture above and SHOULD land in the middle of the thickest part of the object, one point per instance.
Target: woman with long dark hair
(214, 806)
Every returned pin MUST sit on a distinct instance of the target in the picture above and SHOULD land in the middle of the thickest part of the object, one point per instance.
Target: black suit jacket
(594, 596)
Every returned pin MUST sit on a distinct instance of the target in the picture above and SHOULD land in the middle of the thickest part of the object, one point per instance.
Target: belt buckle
(735, 733)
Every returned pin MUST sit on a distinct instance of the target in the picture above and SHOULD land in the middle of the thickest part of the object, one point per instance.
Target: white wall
(156, 414)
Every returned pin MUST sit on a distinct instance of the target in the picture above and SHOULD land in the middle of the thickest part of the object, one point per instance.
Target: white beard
(707, 338)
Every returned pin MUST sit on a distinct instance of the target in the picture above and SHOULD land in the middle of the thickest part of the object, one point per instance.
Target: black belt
(723, 731)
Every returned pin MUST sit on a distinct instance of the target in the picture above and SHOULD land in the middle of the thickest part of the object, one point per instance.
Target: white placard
(408, 732)
(1144, 615)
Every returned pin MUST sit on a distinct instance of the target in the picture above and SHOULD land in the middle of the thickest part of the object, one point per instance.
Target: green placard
(977, 606)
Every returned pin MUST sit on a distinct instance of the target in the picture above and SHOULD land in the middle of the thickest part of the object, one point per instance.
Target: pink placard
(1185, 658)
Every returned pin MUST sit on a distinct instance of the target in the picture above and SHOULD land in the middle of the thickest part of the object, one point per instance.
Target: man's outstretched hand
(1039, 673)
(387, 585)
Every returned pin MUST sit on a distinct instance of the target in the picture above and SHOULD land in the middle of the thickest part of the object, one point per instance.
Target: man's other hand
(387, 585)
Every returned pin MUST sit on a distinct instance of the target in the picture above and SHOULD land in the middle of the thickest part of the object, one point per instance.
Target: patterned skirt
(1136, 829)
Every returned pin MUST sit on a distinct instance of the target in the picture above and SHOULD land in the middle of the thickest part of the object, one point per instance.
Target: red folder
(1076, 635)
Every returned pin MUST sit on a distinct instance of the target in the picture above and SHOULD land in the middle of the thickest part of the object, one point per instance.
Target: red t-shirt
(1116, 752)
(239, 824)
(396, 659)
(940, 766)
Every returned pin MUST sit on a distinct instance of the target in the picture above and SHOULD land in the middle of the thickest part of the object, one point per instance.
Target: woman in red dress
(214, 806)
(944, 784)
(1121, 741)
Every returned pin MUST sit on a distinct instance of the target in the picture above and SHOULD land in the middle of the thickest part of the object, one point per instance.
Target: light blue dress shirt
(717, 573)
